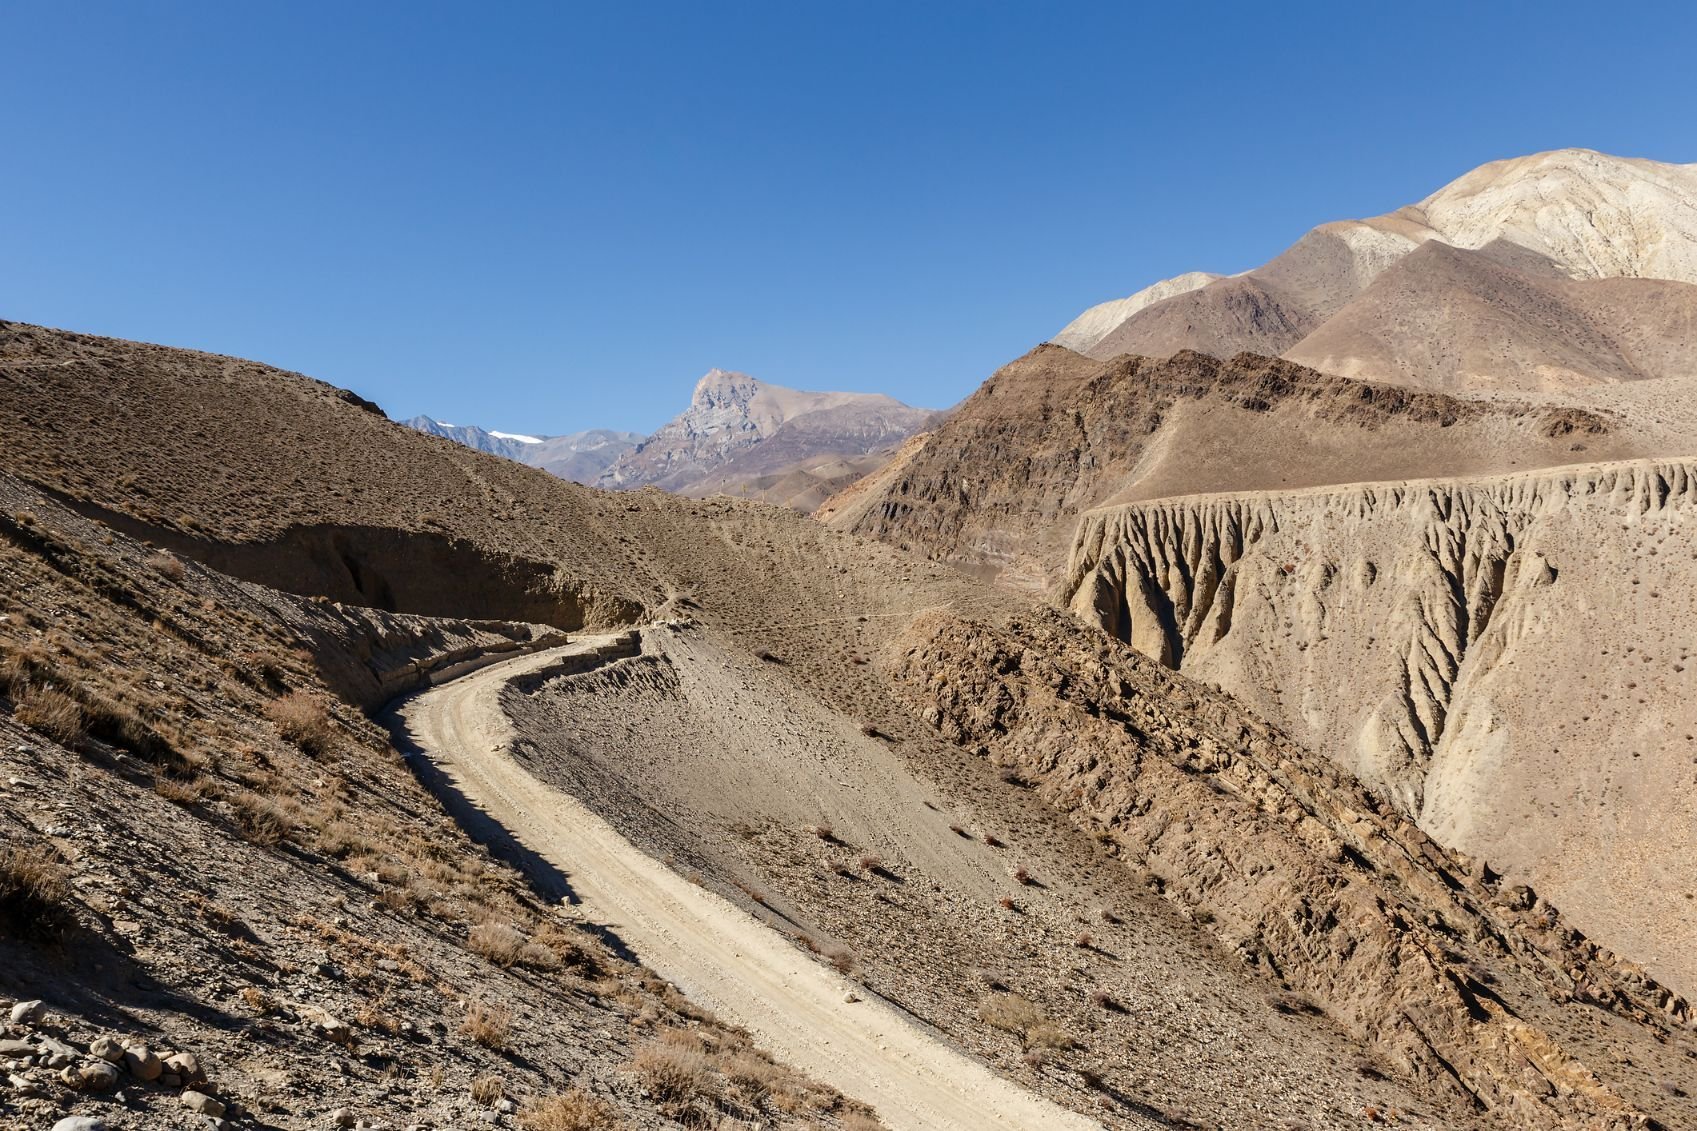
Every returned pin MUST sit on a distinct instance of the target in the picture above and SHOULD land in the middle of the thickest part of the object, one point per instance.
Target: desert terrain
(1026, 852)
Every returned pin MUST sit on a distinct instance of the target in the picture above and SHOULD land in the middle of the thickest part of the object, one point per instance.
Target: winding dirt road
(719, 955)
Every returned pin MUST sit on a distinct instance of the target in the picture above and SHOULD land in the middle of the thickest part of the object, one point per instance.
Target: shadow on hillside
(544, 877)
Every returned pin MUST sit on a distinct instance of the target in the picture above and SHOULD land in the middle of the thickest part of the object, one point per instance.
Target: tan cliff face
(1505, 659)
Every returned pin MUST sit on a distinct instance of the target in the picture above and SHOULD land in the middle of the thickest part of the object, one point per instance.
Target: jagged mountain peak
(731, 413)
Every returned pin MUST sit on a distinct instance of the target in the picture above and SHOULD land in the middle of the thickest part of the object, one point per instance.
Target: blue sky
(545, 218)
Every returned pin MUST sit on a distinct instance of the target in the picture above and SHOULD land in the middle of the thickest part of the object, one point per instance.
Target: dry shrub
(189, 792)
(302, 720)
(52, 712)
(841, 958)
(675, 1071)
(575, 1110)
(1014, 1014)
(256, 999)
(488, 1025)
(569, 948)
(341, 840)
(500, 943)
(488, 1090)
(506, 945)
(119, 725)
(21, 665)
(859, 1121)
(754, 1076)
(35, 897)
(166, 565)
(263, 820)
(1048, 1036)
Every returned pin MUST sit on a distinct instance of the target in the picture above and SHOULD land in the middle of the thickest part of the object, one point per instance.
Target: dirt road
(720, 956)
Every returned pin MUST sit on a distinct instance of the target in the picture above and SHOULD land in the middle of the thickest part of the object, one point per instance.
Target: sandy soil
(717, 953)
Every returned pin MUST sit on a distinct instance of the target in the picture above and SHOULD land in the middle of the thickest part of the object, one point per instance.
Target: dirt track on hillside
(716, 953)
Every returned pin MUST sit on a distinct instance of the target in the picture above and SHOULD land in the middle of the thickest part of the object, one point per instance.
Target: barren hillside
(999, 485)
(1531, 274)
(1118, 888)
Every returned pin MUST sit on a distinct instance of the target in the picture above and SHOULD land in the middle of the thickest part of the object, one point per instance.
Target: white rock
(26, 1012)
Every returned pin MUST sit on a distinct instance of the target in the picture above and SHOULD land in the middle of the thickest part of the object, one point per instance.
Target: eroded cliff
(1457, 644)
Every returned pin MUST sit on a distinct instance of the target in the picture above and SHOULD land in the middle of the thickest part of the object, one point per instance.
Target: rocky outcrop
(1465, 982)
(1448, 640)
(762, 428)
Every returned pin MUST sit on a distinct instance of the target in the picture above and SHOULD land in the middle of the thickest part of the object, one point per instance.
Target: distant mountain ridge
(739, 436)
(1528, 275)
(761, 429)
(579, 456)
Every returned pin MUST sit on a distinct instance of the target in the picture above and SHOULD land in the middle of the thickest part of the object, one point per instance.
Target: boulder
(203, 1104)
(80, 1123)
(15, 1048)
(186, 1065)
(27, 1012)
(107, 1049)
(143, 1063)
(99, 1076)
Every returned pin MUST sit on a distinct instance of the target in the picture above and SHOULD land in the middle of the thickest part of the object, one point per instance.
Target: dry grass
(575, 1110)
(191, 792)
(52, 712)
(302, 719)
(487, 1025)
(488, 1090)
(500, 943)
(675, 1070)
(264, 820)
(166, 565)
(35, 897)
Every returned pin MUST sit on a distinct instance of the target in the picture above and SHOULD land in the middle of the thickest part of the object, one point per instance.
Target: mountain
(738, 430)
(1529, 275)
(999, 485)
(1079, 875)
(578, 456)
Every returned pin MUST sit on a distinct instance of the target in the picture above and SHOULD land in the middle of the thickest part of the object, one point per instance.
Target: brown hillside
(1115, 886)
(998, 486)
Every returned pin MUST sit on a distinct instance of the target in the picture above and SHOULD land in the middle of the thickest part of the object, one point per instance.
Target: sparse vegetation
(487, 1025)
(266, 821)
(35, 897)
(675, 1070)
(49, 710)
(166, 565)
(302, 719)
(488, 1090)
(576, 1110)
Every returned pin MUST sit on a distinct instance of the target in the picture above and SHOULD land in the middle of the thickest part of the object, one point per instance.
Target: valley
(1264, 705)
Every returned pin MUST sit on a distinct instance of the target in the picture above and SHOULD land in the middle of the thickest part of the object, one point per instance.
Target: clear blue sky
(552, 217)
